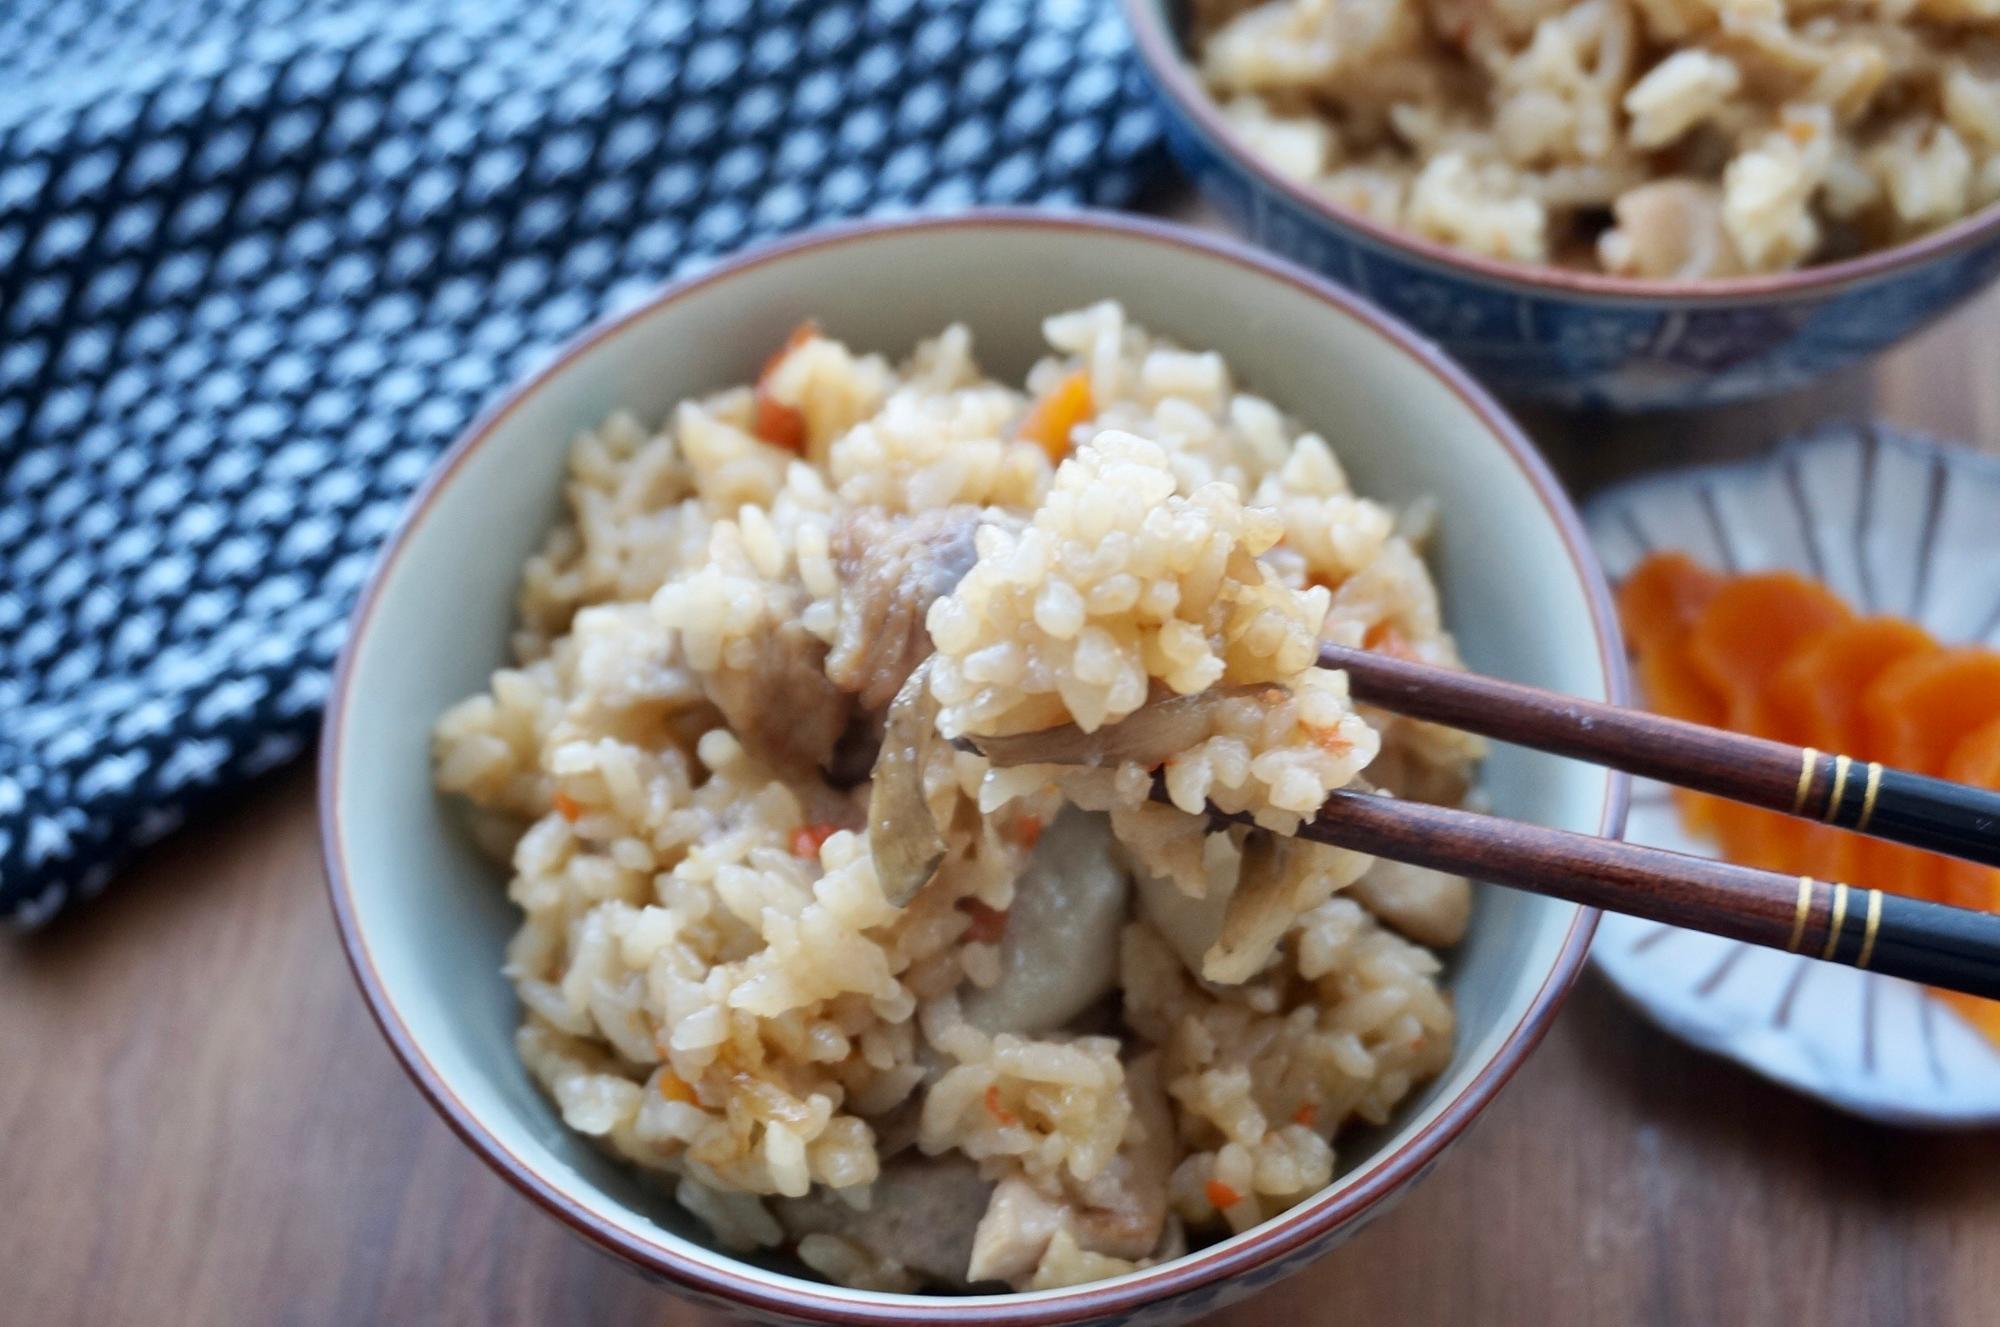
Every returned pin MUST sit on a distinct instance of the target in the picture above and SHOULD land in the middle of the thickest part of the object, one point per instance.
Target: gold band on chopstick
(1840, 766)
(1808, 758)
(1799, 919)
(1868, 797)
(1874, 922)
(1839, 920)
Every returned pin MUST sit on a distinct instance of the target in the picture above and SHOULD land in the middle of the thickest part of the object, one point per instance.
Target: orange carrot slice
(775, 422)
(1056, 413)
(1744, 632)
(1816, 695)
(1917, 710)
(1749, 629)
(1657, 604)
(1661, 598)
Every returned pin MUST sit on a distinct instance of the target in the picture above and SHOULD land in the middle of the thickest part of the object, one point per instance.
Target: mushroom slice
(903, 834)
(1147, 736)
(1260, 909)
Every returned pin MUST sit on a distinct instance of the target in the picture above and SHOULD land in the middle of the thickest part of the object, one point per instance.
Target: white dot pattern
(261, 259)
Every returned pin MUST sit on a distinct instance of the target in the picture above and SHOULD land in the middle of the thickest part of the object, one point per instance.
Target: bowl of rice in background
(659, 871)
(1623, 203)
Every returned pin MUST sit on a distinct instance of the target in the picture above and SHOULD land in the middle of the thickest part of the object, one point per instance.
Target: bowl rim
(1162, 56)
(735, 1281)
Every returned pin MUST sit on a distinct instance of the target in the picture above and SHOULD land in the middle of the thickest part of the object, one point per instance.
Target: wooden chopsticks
(1865, 797)
(1955, 948)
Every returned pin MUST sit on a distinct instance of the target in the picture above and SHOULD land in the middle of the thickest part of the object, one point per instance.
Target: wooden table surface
(201, 1124)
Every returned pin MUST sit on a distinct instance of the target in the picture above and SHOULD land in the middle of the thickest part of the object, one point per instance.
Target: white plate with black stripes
(1895, 524)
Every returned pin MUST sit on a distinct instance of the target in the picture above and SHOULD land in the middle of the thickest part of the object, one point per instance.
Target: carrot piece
(1056, 413)
(1661, 598)
(1817, 693)
(1387, 638)
(807, 839)
(1307, 1114)
(1028, 831)
(1220, 1196)
(775, 422)
(673, 1087)
(1749, 629)
(995, 1109)
(1658, 604)
(1916, 711)
(566, 806)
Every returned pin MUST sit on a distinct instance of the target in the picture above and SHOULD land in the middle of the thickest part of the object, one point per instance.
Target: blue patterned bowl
(1574, 338)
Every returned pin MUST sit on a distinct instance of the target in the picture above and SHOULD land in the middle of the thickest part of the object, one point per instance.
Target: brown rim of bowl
(1161, 51)
(726, 1277)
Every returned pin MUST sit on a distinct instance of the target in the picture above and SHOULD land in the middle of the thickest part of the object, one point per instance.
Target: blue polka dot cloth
(260, 260)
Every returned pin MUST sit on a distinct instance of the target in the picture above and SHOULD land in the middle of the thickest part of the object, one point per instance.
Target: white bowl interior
(431, 912)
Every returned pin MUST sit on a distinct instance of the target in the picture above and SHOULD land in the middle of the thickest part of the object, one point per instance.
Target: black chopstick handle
(1932, 813)
(1863, 796)
(1935, 944)
(1865, 928)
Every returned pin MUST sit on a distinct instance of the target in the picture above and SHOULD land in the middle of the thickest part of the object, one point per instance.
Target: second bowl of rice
(822, 670)
(1632, 203)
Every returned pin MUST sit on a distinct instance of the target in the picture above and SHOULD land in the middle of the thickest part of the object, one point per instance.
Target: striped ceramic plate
(1896, 524)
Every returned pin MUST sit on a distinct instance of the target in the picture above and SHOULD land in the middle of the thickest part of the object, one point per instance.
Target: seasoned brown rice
(1651, 138)
(1086, 1031)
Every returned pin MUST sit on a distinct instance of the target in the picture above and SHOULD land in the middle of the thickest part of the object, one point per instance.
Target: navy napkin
(261, 259)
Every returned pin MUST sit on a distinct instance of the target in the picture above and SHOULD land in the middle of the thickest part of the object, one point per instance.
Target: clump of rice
(1717, 137)
(716, 986)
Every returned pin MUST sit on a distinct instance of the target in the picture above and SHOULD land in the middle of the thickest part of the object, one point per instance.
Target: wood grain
(203, 1127)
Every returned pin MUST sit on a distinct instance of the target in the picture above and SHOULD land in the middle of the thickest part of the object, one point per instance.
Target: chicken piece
(1428, 906)
(1121, 1212)
(778, 701)
(1059, 953)
(892, 568)
(1669, 228)
(922, 1214)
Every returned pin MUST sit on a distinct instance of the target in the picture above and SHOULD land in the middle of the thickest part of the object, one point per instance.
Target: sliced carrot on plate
(1749, 629)
(1917, 710)
(1817, 693)
(1661, 598)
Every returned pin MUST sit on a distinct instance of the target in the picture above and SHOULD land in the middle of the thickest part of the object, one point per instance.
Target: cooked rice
(1652, 138)
(716, 985)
